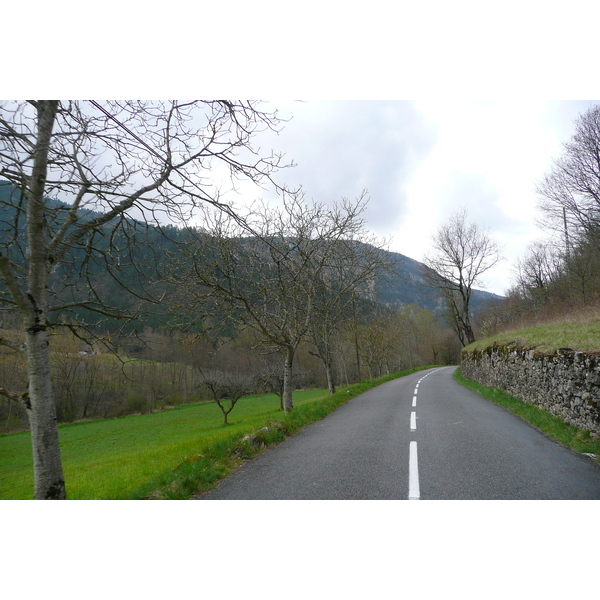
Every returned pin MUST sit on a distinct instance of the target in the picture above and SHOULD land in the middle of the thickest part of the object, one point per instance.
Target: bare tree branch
(10, 395)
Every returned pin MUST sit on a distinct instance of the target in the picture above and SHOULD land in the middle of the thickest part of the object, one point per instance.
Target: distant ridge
(406, 285)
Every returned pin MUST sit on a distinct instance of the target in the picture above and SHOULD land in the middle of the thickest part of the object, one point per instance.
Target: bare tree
(269, 282)
(570, 192)
(583, 267)
(355, 264)
(227, 387)
(110, 163)
(463, 253)
(272, 381)
(538, 270)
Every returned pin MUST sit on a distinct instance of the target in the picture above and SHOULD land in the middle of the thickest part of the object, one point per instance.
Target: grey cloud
(481, 201)
(344, 147)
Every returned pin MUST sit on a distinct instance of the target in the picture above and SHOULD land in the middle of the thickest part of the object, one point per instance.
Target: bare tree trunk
(358, 362)
(356, 344)
(40, 405)
(288, 405)
(323, 353)
(470, 334)
(329, 372)
(41, 410)
(344, 372)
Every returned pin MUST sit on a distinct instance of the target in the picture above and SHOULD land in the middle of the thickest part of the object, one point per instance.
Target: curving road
(424, 437)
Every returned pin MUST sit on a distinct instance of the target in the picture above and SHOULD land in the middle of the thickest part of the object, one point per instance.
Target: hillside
(406, 285)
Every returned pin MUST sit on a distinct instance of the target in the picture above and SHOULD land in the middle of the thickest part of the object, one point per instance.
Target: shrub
(175, 400)
(136, 403)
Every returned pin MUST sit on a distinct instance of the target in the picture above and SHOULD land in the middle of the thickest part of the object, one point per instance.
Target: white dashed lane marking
(413, 421)
(413, 473)
(413, 467)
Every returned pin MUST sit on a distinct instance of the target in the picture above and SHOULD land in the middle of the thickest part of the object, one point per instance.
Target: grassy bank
(582, 336)
(572, 437)
(169, 454)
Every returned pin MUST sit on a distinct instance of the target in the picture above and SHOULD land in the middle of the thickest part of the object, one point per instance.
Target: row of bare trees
(91, 184)
(566, 270)
(550, 284)
(157, 369)
(294, 279)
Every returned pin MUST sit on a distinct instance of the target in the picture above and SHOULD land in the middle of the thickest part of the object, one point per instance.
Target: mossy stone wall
(566, 383)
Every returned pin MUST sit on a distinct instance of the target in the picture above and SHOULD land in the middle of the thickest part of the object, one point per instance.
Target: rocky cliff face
(566, 384)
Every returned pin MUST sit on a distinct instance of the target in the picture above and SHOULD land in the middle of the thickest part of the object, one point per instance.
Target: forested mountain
(126, 275)
(406, 285)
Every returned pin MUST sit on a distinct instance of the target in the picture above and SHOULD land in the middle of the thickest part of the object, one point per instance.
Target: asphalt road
(418, 437)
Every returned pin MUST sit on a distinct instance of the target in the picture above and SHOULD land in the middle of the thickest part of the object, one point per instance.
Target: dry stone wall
(567, 383)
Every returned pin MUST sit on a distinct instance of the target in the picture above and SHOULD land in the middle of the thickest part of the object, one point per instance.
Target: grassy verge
(570, 436)
(169, 454)
(200, 473)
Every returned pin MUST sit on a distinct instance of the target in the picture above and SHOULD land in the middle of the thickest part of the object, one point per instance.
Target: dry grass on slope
(581, 335)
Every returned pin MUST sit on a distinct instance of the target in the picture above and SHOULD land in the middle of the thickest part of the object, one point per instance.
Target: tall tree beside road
(356, 262)
(463, 252)
(111, 163)
(570, 191)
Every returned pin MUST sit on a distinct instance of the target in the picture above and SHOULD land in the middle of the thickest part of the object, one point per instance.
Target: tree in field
(271, 381)
(116, 168)
(463, 252)
(269, 282)
(227, 387)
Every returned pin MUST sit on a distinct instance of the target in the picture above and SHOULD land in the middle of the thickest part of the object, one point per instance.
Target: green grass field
(111, 459)
(172, 454)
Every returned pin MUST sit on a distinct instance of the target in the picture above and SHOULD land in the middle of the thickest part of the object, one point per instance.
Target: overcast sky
(422, 160)
(419, 160)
